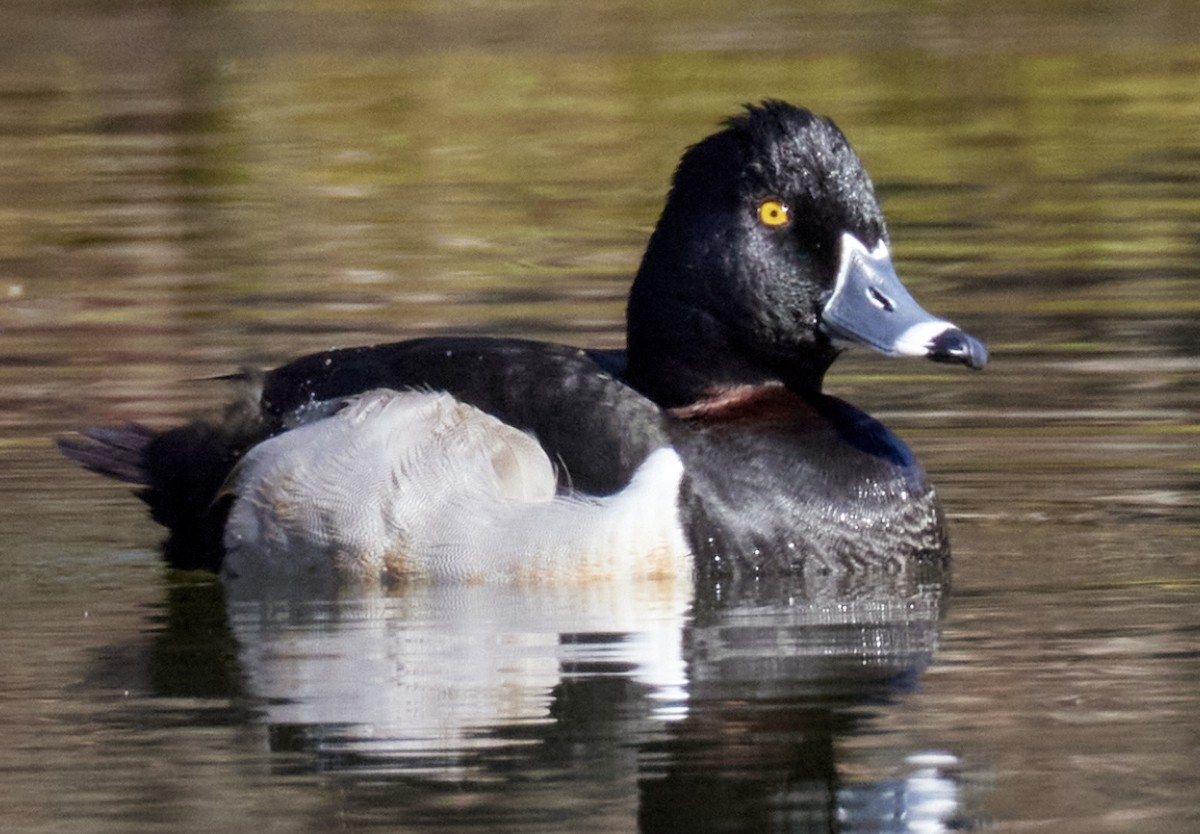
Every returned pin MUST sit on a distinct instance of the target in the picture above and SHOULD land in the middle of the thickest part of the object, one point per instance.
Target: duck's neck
(681, 351)
(683, 360)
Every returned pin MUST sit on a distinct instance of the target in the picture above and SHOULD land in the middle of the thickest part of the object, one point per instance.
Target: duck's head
(770, 258)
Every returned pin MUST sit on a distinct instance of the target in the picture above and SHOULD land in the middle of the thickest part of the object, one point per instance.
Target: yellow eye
(774, 214)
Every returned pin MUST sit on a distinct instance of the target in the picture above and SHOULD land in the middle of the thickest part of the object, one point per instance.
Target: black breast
(781, 484)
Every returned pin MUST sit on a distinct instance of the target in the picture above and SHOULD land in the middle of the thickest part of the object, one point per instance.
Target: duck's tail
(113, 451)
(178, 473)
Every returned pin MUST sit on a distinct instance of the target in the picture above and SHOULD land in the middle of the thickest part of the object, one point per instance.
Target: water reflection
(388, 681)
(641, 700)
(777, 675)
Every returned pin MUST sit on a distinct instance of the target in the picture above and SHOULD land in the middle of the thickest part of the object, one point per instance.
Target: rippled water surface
(186, 188)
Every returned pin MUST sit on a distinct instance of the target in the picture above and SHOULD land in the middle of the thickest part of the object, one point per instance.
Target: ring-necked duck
(478, 459)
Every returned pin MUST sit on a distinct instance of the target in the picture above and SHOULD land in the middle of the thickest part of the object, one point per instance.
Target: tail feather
(179, 474)
(116, 452)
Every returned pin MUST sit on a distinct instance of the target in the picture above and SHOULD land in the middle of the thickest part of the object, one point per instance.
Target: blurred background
(190, 187)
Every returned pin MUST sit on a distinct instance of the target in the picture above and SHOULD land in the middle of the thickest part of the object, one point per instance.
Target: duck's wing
(595, 429)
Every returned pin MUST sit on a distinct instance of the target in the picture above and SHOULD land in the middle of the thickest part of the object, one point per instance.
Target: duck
(706, 447)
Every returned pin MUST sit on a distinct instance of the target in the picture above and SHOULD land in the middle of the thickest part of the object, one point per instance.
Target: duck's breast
(778, 483)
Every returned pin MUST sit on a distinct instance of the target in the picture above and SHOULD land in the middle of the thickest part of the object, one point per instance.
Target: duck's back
(595, 429)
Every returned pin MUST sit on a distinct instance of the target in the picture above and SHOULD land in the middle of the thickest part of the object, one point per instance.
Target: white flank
(416, 485)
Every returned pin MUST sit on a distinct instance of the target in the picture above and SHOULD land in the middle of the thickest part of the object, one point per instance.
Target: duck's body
(419, 485)
(770, 257)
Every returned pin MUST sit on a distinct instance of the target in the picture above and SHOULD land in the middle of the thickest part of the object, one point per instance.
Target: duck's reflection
(777, 673)
(391, 680)
(643, 702)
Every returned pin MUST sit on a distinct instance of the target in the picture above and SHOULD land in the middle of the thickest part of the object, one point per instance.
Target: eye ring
(774, 213)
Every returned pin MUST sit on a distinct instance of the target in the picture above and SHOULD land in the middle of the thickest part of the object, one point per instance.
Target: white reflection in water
(925, 801)
(725, 710)
(430, 668)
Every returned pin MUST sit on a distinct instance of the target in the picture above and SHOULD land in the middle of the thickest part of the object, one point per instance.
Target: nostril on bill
(880, 300)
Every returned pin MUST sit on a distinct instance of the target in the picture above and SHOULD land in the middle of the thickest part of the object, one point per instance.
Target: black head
(749, 250)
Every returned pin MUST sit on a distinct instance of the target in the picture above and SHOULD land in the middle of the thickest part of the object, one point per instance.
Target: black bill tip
(958, 347)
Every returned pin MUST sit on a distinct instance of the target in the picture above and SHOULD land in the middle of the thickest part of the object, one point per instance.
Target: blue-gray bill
(870, 306)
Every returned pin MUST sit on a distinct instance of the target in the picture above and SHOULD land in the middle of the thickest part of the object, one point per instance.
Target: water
(187, 188)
